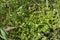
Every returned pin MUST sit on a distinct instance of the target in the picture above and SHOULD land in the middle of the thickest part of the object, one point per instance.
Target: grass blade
(3, 35)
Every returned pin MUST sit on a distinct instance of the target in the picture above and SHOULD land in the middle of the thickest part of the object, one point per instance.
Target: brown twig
(9, 29)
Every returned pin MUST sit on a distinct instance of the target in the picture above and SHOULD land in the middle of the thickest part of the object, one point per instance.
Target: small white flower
(54, 9)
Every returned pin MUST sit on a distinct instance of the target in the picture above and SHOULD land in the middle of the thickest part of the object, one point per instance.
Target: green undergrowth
(36, 19)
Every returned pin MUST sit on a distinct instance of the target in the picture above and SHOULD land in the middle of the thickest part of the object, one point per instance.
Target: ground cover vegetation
(29, 19)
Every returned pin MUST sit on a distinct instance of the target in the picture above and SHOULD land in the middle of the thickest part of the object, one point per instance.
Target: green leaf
(47, 3)
(3, 35)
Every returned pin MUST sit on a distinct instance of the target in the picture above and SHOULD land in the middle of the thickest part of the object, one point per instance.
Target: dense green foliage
(36, 19)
